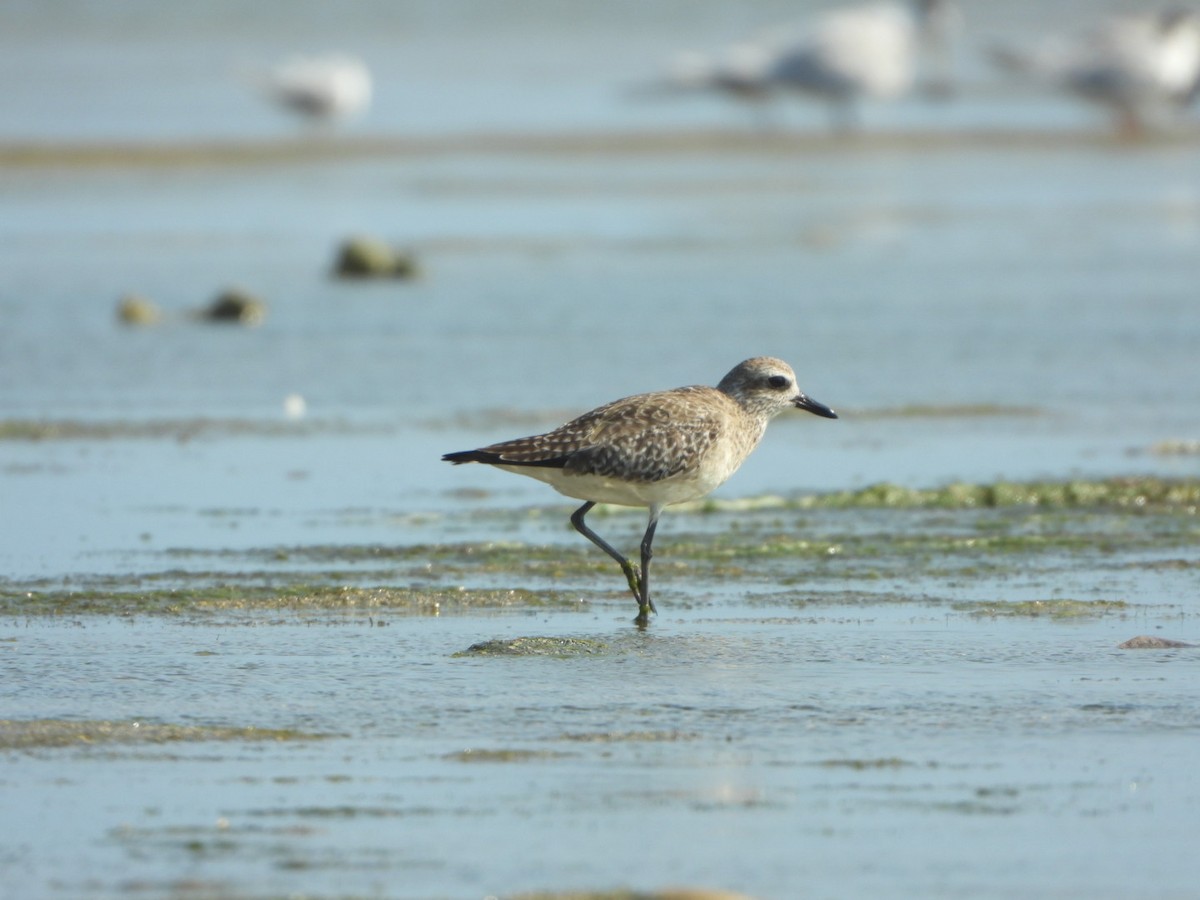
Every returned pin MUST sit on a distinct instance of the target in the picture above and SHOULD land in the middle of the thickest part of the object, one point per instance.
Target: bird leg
(645, 604)
(634, 576)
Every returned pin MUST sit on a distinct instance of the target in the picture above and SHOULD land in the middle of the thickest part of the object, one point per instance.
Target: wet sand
(659, 142)
(847, 681)
(257, 641)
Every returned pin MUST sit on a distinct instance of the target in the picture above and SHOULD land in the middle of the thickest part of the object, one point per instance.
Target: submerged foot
(645, 607)
(641, 593)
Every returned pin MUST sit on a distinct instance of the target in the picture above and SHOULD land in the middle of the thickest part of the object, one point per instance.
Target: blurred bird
(1144, 68)
(740, 70)
(846, 55)
(322, 88)
(870, 51)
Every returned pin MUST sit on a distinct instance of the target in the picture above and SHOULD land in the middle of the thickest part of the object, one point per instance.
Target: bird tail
(466, 456)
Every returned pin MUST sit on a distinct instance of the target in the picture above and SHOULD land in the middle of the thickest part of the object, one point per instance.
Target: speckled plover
(653, 450)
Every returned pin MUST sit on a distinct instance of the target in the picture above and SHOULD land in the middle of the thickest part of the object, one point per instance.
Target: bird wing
(648, 437)
(856, 50)
(651, 454)
(645, 438)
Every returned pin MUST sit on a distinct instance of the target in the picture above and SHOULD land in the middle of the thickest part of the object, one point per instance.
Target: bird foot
(633, 575)
(642, 619)
(645, 607)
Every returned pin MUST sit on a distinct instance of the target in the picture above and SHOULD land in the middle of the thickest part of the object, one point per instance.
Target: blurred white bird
(871, 51)
(740, 72)
(323, 88)
(847, 54)
(1144, 68)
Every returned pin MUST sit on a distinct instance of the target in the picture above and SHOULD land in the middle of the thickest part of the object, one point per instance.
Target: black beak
(815, 407)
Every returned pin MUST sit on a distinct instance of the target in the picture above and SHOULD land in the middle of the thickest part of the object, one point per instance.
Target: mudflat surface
(256, 640)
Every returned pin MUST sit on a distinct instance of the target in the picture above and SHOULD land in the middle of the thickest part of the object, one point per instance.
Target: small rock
(1148, 642)
(364, 257)
(238, 306)
(536, 646)
(134, 309)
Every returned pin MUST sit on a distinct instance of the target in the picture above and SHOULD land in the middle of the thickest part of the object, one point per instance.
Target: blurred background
(132, 70)
(973, 230)
(262, 263)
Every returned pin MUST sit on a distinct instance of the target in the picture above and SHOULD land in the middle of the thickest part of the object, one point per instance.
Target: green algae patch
(557, 647)
(631, 737)
(503, 755)
(1050, 609)
(849, 599)
(723, 547)
(168, 429)
(902, 543)
(1149, 492)
(259, 598)
(910, 538)
(652, 143)
(446, 559)
(1134, 493)
(863, 765)
(28, 734)
(415, 600)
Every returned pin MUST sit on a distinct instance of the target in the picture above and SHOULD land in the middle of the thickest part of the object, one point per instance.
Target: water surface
(844, 702)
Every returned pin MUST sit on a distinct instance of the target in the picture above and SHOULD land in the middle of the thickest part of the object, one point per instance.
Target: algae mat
(999, 549)
(893, 670)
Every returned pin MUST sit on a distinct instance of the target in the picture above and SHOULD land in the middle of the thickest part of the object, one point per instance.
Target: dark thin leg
(645, 604)
(631, 572)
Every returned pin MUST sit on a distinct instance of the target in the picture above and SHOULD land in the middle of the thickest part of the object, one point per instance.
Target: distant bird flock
(847, 55)
(1144, 67)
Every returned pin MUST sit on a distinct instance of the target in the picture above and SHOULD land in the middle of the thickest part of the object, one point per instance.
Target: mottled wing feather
(651, 454)
(639, 438)
(648, 437)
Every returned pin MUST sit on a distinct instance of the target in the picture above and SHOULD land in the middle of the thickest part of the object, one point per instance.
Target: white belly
(605, 489)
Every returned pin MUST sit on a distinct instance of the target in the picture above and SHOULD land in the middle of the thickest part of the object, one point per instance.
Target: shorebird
(319, 87)
(848, 53)
(867, 51)
(1142, 67)
(740, 71)
(653, 450)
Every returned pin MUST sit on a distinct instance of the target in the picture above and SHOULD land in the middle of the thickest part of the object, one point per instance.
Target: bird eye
(778, 381)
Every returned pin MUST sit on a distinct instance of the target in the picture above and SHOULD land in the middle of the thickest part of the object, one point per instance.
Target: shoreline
(34, 153)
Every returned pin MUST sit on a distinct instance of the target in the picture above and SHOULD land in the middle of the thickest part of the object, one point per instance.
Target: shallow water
(924, 702)
(835, 702)
(917, 754)
(1058, 289)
